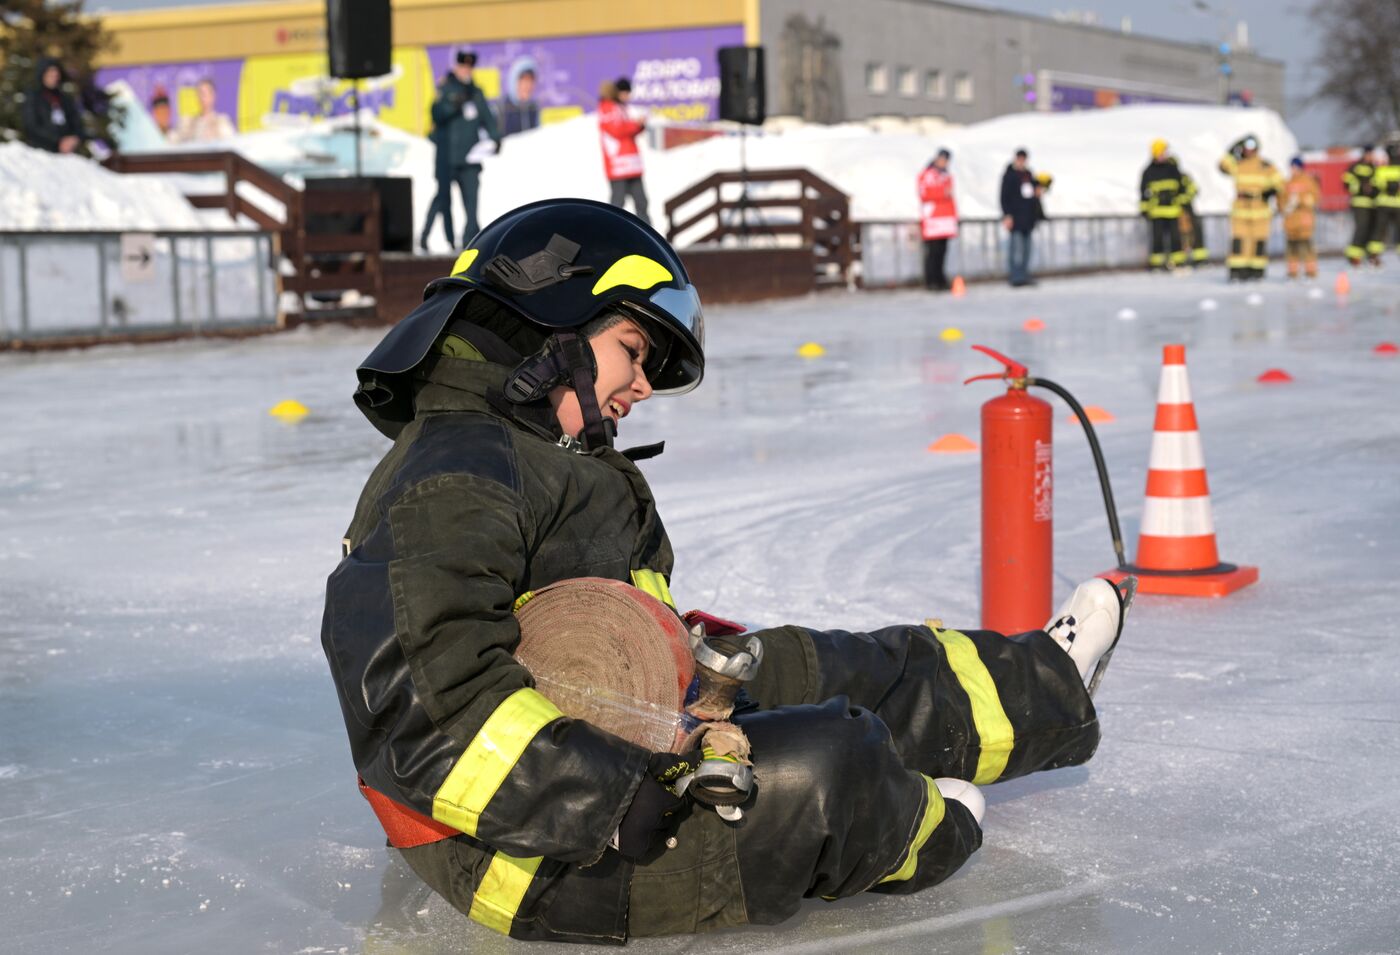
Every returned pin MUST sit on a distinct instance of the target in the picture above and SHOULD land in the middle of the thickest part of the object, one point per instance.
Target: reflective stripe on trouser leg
(943, 834)
(581, 903)
(909, 679)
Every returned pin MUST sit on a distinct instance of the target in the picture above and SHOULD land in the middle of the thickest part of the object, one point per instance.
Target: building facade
(966, 64)
(828, 60)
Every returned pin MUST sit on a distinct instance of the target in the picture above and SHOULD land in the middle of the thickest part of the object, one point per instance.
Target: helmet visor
(676, 361)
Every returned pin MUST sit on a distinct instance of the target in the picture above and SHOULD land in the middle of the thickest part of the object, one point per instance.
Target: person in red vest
(938, 218)
(618, 130)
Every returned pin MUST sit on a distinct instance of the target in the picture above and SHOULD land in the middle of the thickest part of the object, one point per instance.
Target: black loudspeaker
(359, 37)
(395, 209)
(741, 85)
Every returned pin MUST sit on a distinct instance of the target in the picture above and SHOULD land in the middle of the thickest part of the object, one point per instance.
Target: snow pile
(44, 191)
(1096, 158)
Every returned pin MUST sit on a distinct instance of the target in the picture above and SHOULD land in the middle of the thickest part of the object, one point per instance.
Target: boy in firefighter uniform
(502, 393)
(1192, 229)
(1160, 204)
(1361, 188)
(1387, 182)
(1256, 182)
(1299, 205)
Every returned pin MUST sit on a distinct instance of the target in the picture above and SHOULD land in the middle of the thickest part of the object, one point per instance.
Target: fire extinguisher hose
(1098, 462)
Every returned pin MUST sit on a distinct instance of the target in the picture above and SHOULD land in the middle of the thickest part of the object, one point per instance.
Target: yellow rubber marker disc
(289, 410)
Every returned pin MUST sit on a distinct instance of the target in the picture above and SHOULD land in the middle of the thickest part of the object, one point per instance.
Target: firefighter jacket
(1300, 196)
(1359, 180)
(471, 508)
(1161, 190)
(1256, 181)
(938, 212)
(460, 115)
(1387, 183)
(618, 132)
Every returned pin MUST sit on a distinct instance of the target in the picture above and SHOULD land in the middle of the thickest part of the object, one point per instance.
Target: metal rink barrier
(892, 251)
(113, 286)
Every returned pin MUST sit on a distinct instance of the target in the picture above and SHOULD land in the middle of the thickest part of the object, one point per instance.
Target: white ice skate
(1087, 625)
(960, 790)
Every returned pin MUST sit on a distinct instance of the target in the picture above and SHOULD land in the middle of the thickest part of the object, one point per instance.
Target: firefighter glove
(654, 805)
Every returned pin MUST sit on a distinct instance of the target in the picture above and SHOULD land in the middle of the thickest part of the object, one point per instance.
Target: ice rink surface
(174, 775)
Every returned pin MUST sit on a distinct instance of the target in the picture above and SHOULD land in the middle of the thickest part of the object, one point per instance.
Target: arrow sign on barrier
(138, 257)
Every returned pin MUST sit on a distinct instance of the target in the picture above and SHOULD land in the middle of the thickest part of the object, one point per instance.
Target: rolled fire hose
(605, 652)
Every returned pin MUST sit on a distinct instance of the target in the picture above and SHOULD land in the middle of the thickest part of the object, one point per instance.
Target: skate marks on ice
(165, 701)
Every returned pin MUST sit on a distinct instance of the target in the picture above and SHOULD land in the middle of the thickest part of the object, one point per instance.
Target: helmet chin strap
(565, 359)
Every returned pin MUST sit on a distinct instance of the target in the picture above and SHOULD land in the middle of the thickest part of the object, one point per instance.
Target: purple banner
(168, 79)
(1064, 98)
(675, 71)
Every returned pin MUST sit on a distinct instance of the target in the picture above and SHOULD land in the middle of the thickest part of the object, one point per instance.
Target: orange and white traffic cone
(1176, 548)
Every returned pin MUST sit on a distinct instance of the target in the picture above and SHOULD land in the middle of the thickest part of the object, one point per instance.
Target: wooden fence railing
(792, 204)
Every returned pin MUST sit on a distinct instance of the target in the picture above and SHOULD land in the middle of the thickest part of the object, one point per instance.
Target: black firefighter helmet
(557, 265)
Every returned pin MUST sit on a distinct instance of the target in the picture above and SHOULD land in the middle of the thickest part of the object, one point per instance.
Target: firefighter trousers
(1363, 220)
(850, 731)
(1386, 229)
(1166, 242)
(1249, 245)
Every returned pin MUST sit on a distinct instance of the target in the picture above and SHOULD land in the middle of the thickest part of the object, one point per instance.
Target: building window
(877, 78)
(908, 81)
(934, 85)
(962, 88)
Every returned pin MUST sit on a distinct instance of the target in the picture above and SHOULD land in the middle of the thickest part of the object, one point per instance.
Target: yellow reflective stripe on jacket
(993, 728)
(933, 815)
(501, 891)
(489, 758)
(653, 583)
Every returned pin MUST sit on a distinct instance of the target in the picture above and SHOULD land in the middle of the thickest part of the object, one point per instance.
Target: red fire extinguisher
(1017, 503)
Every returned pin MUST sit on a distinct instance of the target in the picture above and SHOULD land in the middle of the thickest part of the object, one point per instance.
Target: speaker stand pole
(355, 86)
(743, 207)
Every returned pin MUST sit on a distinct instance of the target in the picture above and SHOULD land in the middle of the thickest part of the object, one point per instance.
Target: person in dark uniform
(461, 116)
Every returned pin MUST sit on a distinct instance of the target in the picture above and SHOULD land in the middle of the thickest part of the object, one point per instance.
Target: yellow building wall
(238, 31)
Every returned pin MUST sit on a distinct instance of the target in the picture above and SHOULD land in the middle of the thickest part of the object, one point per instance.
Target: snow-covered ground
(173, 770)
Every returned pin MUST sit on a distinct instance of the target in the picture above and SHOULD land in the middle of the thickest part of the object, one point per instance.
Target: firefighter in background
(1387, 181)
(1193, 233)
(1160, 204)
(1361, 187)
(938, 219)
(1299, 206)
(1256, 182)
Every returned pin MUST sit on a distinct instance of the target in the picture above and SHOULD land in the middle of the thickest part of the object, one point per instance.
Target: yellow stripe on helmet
(638, 271)
(502, 889)
(464, 261)
(993, 728)
(489, 758)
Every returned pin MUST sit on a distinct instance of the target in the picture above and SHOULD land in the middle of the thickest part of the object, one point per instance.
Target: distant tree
(31, 30)
(1360, 62)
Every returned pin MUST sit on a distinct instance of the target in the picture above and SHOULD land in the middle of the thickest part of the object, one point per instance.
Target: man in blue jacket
(1020, 211)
